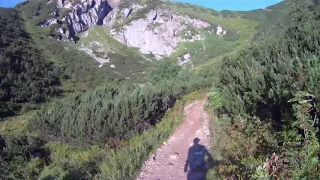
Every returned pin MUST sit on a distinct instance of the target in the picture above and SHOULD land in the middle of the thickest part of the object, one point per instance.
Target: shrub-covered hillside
(24, 76)
(105, 133)
(267, 100)
(113, 113)
(108, 120)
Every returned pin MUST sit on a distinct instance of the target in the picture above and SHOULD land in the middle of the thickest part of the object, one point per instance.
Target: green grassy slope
(268, 18)
(129, 62)
(80, 72)
(25, 78)
(240, 31)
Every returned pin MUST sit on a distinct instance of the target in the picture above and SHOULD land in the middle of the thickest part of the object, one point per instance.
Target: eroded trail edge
(169, 160)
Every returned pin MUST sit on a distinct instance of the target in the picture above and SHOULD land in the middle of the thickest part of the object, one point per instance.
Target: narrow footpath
(169, 162)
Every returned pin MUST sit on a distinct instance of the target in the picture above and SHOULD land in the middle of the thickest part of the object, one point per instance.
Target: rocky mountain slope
(126, 37)
(154, 27)
(157, 29)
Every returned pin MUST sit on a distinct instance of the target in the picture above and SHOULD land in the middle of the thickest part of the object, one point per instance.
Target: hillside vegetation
(79, 71)
(240, 31)
(113, 112)
(24, 77)
(266, 97)
(128, 62)
(107, 121)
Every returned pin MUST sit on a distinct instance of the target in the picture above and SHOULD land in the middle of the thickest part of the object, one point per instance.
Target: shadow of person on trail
(198, 162)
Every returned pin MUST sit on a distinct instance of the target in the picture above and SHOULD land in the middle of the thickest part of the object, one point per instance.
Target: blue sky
(232, 4)
(9, 3)
(214, 4)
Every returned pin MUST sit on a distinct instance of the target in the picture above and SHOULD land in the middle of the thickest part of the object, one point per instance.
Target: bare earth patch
(170, 159)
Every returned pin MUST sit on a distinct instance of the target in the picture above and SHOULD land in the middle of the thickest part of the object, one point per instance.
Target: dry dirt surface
(170, 159)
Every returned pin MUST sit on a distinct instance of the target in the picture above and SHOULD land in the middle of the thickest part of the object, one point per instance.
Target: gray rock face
(221, 31)
(158, 33)
(84, 14)
(185, 59)
(48, 22)
(126, 12)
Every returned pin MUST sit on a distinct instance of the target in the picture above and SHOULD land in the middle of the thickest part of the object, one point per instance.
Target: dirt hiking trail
(170, 159)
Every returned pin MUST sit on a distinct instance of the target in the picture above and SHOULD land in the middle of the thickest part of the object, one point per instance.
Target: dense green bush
(266, 76)
(115, 112)
(275, 81)
(24, 75)
(104, 115)
(15, 152)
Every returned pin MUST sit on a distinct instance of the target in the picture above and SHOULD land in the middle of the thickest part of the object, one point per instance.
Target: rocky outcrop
(128, 11)
(159, 33)
(48, 22)
(185, 59)
(84, 14)
(221, 31)
(153, 29)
